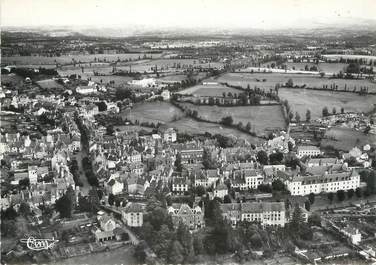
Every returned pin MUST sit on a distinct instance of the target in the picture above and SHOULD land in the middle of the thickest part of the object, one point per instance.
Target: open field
(346, 138)
(191, 126)
(49, 84)
(67, 59)
(368, 58)
(208, 90)
(302, 99)
(322, 67)
(260, 117)
(155, 112)
(269, 80)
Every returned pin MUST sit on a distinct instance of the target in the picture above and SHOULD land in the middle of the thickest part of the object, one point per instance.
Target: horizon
(198, 14)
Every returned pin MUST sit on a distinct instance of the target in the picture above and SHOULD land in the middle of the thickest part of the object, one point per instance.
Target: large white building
(132, 215)
(327, 181)
(308, 150)
(265, 213)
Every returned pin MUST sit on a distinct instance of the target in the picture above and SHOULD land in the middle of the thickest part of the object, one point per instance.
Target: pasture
(155, 112)
(209, 90)
(269, 80)
(302, 99)
(191, 126)
(345, 139)
(260, 117)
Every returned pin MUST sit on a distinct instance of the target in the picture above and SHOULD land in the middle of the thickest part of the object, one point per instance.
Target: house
(114, 186)
(166, 95)
(33, 174)
(132, 215)
(308, 150)
(106, 228)
(265, 213)
(136, 185)
(191, 156)
(193, 218)
(169, 135)
(179, 185)
(84, 90)
(314, 162)
(221, 191)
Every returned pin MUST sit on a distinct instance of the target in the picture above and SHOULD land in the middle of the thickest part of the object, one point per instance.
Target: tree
(200, 190)
(358, 192)
(342, 110)
(262, 157)
(24, 209)
(122, 94)
(325, 112)
(64, 206)
(297, 219)
(139, 252)
(276, 158)
(227, 199)
(330, 196)
(314, 219)
(248, 127)
(290, 83)
(198, 244)
(297, 117)
(350, 193)
(311, 198)
(178, 164)
(334, 111)
(307, 205)
(111, 199)
(228, 121)
(291, 115)
(278, 185)
(176, 253)
(308, 115)
(102, 106)
(371, 182)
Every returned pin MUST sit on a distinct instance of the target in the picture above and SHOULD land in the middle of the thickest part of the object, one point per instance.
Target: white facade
(329, 182)
(308, 151)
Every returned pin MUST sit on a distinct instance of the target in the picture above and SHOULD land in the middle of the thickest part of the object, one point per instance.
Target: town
(255, 149)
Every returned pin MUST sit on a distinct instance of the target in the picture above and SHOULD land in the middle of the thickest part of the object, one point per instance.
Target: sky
(267, 14)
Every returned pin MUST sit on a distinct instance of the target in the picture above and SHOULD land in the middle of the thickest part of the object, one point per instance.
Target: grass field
(269, 80)
(14, 79)
(49, 84)
(346, 138)
(191, 126)
(155, 112)
(208, 90)
(302, 99)
(260, 117)
(65, 59)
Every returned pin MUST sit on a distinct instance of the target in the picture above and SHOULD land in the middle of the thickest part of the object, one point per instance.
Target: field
(322, 67)
(67, 59)
(350, 56)
(155, 112)
(260, 117)
(346, 138)
(208, 90)
(269, 80)
(49, 84)
(191, 126)
(14, 79)
(302, 99)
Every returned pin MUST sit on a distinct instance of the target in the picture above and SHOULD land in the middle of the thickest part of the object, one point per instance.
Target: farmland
(346, 138)
(260, 117)
(208, 90)
(269, 80)
(302, 99)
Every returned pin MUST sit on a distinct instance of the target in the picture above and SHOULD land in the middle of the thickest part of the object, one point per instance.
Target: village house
(193, 218)
(132, 215)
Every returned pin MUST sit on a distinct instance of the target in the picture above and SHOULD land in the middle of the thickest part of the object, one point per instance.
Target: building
(132, 215)
(115, 187)
(315, 162)
(323, 182)
(220, 191)
(265, 213)
(106, 228)
(84, 90)
(307, 150)
(179, 185)
(191, 217)
(169, 135)
(166, 95)
(191, 156)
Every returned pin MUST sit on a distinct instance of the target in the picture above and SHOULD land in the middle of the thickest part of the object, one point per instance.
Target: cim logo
(39, 244)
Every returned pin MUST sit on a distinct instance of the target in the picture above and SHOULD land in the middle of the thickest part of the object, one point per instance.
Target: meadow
(191, 126)
(208, 90)
(269, 80)
(260, 117)
(302, 99)
(345, 138)
(155, 112)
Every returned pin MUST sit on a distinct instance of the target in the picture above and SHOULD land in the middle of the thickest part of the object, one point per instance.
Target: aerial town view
(188, 132)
